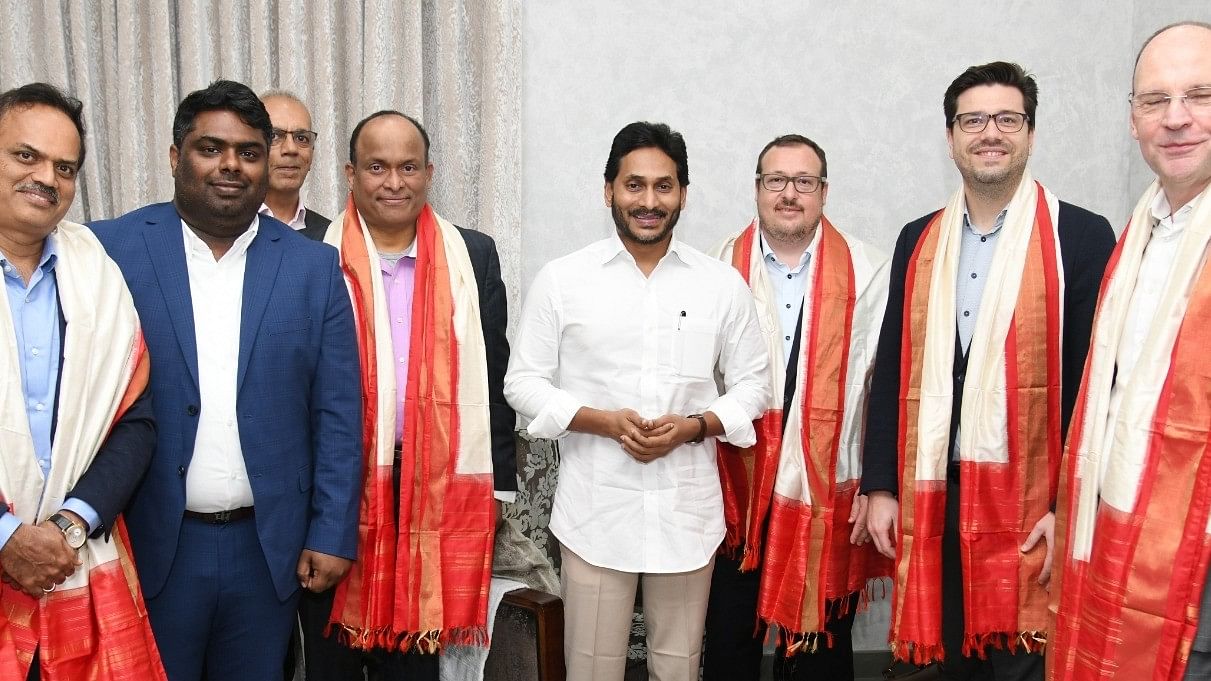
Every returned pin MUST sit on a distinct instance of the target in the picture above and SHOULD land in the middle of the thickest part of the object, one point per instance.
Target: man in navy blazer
(253, 488)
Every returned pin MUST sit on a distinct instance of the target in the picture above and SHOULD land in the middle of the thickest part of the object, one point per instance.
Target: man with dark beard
(617, 354)
(253, 488)
(987, 325)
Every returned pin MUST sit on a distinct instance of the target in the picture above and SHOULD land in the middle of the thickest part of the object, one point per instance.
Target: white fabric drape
(454, 64)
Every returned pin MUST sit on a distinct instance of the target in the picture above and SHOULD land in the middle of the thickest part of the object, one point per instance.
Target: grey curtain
(454, 64)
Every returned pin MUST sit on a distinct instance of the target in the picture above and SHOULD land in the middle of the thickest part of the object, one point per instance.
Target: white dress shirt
(297, 222)
(1150, 283)
(217, 478)
(595, 332)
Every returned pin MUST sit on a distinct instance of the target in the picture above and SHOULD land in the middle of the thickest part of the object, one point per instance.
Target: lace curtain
(454, 64)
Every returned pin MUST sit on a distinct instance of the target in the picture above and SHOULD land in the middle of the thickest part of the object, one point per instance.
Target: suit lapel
(166, 248)
(260, 273)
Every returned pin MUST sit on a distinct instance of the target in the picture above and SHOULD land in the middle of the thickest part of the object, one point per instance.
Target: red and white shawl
(1009, 442)
(1133, 524)
(94, 626)
(420, 580)
(807, 482)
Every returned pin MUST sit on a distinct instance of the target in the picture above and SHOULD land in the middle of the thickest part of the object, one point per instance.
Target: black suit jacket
(316, 225)
(1086, 241)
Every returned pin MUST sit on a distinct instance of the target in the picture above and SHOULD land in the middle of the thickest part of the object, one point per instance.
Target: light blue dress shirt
(975, 261)
(35, 312)
(789, 285)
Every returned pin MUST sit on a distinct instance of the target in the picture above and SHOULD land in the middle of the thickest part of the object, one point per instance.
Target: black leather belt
(222, 517)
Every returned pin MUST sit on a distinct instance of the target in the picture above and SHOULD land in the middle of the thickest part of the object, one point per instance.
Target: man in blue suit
(253, 489)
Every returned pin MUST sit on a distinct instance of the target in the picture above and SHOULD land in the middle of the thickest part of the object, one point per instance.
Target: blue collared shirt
(975, 261)
(35, 312)
(788, 284)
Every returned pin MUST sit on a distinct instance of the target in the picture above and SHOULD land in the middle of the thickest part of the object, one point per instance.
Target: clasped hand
(37, 558)
(646, 440)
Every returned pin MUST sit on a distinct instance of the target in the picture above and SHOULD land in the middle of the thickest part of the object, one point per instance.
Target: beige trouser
(598, 603)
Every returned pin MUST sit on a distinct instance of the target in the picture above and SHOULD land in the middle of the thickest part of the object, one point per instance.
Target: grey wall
(865, 80)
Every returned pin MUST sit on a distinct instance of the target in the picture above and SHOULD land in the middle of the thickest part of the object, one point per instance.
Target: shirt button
(966, 313)
(35, 352)
(790, 276)
(27, 299)
(983, 239)
(788, 306)
(403, 360)
(973, 275)
(788, 338)
(39, 407)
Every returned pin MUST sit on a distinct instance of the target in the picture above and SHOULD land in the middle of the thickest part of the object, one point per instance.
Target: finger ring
(46, 590)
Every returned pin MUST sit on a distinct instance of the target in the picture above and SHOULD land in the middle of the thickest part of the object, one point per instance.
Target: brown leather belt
(222, 517)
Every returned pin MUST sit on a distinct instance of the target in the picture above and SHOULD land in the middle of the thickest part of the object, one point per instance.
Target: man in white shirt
(618, 352)
(1132, 518)
(291, 145)
(253, 488)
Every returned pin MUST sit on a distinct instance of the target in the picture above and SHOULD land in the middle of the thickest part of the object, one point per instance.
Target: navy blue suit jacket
(298, 400)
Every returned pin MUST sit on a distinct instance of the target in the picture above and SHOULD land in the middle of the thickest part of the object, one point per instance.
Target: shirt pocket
(695, 349)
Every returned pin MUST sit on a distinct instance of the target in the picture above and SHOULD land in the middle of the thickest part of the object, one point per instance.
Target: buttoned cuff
(737, 426)
(506, 497)
(8, 525)
(86, 512)
(552, 422)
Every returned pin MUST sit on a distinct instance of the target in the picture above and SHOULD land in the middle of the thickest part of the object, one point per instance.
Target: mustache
(990, 147)
(45, 190)
(647, 213)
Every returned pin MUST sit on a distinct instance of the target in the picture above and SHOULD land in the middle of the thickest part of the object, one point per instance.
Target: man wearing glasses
(820, 295)
(987, 326)
(290, 149)
(1132, 522)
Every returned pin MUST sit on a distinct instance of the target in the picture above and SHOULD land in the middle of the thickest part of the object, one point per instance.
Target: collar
(613, 248)
(299, 215)
(46, 263)
(996, 226)
(194, 246)
(768, 255)
(1169, 223)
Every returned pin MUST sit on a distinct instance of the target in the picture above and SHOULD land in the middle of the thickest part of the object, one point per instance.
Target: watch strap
(701, 428)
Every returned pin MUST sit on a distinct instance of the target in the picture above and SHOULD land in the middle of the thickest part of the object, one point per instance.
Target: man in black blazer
(290, 151)
(389, 173)
(992, 161)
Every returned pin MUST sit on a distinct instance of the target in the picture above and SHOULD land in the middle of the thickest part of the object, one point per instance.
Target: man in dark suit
(990, 118)
(252, 491)
(290, 148)
(389, 173)
(66, 472)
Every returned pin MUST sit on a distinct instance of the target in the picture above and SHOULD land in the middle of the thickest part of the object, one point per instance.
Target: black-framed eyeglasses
(1006, 121)
(303, 138)
(804, 184)
(1149, 104)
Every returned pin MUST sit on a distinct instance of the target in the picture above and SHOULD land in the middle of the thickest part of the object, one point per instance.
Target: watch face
(75, 536)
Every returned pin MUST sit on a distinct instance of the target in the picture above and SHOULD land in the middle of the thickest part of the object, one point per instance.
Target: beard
(995, 179)
(624, 227)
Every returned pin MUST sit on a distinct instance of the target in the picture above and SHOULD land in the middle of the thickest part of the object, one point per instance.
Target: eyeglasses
(303, 138)
(1006, 121)
(1149, 104)
(804, 184)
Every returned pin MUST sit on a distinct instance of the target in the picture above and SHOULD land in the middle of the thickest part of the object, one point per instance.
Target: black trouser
(326, 659)
(734, 640)
(1000, 665)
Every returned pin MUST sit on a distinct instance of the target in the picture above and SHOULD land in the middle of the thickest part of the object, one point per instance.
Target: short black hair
(641, 135)
(793, 140)
(221, 95)
(357, 131)
(993, 73)
(34, 94)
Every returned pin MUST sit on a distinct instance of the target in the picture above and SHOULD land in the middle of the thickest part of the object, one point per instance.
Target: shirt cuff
(737, 426)
(506, 497)
(552, 422)
(9, 523)
(81, 508)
